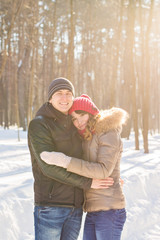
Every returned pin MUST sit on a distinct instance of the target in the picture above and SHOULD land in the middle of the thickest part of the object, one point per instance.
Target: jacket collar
(47, 110)
(111, 119)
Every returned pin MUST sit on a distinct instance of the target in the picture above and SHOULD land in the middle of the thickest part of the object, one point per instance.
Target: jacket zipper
(50, 191)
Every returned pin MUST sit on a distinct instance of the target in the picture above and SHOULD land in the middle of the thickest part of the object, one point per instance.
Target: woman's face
(80, 120)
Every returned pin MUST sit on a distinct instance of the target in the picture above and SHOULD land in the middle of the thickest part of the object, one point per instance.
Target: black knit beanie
(58, 84)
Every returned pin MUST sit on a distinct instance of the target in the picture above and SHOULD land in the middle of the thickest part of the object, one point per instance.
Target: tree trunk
(70, 74)
(31, 84)
(146, 80)
(131, 22)
(13, 18)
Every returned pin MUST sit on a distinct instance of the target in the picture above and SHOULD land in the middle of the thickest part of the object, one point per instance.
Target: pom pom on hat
(84, 103)
(86, 96)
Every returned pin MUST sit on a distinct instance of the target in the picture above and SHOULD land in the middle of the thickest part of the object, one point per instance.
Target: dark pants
(104, 225)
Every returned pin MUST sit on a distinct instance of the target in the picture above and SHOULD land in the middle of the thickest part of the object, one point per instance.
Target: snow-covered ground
(141, 173)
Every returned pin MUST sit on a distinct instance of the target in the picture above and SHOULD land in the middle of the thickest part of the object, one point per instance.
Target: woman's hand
(56, 158)
(121, 182)
(102, 183)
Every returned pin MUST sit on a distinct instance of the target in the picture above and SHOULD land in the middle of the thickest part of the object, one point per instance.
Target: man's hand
(102, 183)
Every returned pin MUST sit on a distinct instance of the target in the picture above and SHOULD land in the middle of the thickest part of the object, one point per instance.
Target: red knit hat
(84, 103)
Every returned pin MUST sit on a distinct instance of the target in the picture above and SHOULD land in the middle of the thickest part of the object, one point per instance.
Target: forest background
(109, 49)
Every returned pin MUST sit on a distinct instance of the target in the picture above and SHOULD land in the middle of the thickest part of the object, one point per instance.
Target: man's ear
(49, 100)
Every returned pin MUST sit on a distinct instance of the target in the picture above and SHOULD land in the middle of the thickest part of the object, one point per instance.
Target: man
(58, 194)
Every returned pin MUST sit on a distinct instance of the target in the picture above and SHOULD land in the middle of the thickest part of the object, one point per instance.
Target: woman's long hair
(90, 128)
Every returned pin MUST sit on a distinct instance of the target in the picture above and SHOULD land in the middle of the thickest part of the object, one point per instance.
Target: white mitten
(56, 158)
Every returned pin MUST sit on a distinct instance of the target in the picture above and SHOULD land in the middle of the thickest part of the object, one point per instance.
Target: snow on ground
(141, 173)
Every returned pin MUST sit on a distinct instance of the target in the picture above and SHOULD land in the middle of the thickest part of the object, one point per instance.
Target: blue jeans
(104, 225)
(57, 223)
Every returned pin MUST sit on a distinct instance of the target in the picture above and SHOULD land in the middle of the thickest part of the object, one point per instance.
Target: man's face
(62, 100)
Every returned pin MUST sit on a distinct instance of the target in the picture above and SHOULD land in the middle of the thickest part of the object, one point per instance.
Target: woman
(102, 147)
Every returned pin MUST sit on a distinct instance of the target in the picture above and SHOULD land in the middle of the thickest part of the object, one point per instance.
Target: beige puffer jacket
(102, 155)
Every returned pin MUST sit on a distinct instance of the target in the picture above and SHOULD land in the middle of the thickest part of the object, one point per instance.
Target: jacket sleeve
(39, 140)
(107, 156)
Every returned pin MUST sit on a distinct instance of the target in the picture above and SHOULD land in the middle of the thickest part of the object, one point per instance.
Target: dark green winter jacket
(51, 130)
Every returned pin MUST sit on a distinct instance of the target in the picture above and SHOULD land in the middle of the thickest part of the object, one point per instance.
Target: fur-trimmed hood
(111, 119)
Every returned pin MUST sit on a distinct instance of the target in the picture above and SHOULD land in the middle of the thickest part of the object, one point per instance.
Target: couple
(61, 177)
